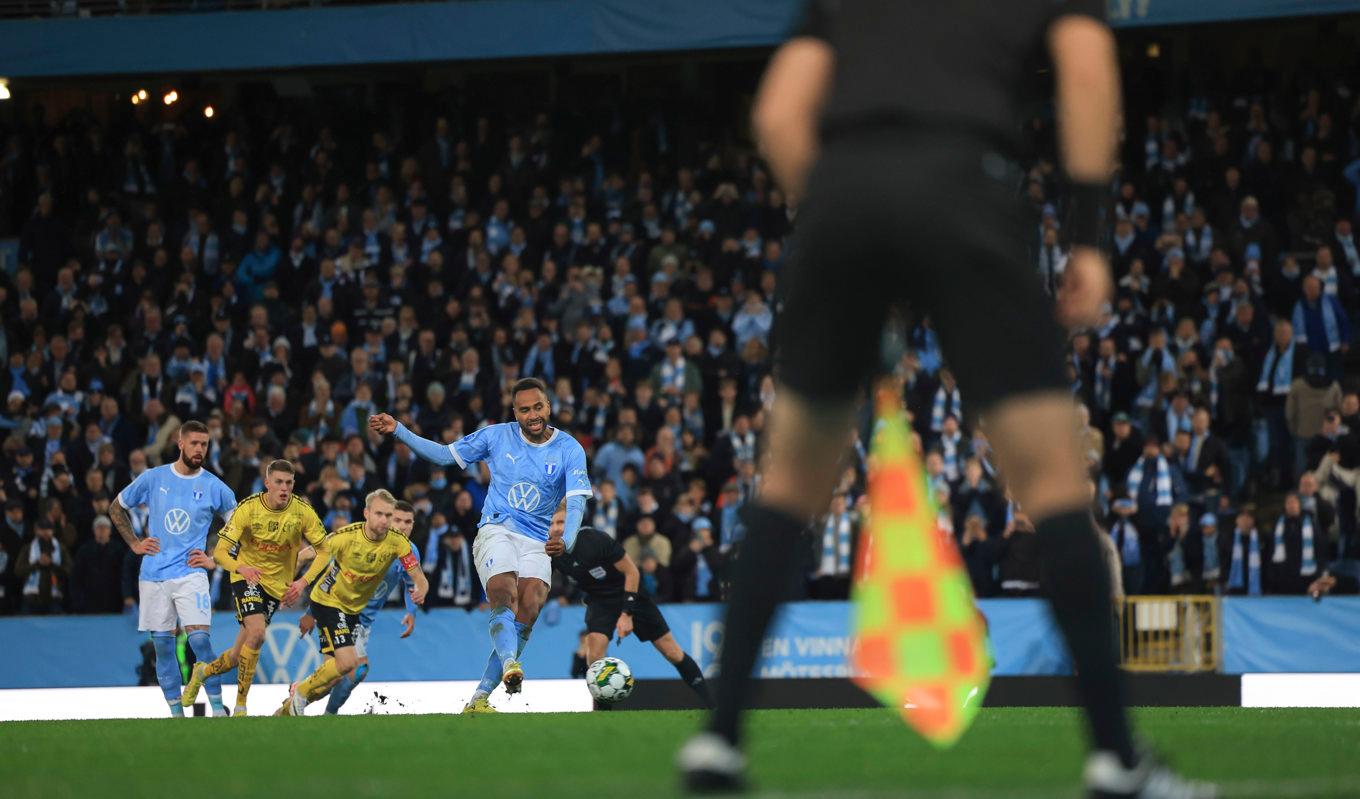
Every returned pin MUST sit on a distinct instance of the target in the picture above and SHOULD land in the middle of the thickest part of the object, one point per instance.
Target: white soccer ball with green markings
(609, 680)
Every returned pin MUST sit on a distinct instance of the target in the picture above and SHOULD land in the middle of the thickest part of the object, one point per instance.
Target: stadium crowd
(281, 282)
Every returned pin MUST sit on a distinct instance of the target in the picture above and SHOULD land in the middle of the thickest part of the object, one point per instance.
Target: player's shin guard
(522, 632)
(1074, 577)
(245, 673)
(503, 635)
(221, 665)
(201, 643)
(319, 684)
(766, 565)
(694, 678)
(167, 668)
(491, 677)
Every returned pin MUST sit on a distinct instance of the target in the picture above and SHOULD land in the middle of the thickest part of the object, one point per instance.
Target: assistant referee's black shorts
(602, 615)
(898, 217)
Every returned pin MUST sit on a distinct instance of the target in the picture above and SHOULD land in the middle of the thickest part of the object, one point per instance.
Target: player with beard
(182, 498)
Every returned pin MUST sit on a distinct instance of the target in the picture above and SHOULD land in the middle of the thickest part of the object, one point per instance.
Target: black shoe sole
(713, 782)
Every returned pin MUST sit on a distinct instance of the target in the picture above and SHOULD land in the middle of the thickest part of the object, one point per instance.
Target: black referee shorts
(602, 615)
(897, 217)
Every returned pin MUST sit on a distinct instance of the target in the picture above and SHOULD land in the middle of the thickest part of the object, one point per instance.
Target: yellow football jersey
(270, 539)
(357, 566)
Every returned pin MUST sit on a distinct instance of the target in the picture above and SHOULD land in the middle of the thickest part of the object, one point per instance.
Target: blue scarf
(1308, 555)
(946, 402)
(1126, 536)
(1252, 565)
(606, 518)
(703, 577)
(1330, 325)
(1135, 481)
(1103, 386)
(949, 451)
(1276, 376)
(1176, 564)
(836, 533)
(1210, 548)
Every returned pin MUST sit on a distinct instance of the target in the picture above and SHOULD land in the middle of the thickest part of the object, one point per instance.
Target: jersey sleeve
(1082, 8)
(237, 523)
(473, 447)
(136, 492)
(313, 531)
(226, 501)
(613, 549)
(578, 479)
(815, 22)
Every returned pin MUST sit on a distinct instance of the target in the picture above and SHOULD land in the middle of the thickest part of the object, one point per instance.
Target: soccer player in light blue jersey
(533, 468)
(403, 521)
(182, 498)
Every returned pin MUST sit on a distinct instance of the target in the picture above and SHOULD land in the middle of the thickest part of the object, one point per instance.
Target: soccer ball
(609, 680)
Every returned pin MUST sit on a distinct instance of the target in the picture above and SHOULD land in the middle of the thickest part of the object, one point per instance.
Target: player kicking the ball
(354, 561)
(610, 579)
(403, 520)
(534, 467)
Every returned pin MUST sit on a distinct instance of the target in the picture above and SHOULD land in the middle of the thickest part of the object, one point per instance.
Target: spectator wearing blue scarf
(1321, 323)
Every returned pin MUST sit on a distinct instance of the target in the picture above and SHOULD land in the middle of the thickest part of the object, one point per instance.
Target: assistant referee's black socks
(694, 678)
(765, 566)
(1077, 583)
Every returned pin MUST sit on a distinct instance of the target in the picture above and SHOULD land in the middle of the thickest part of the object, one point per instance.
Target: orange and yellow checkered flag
(920, 642)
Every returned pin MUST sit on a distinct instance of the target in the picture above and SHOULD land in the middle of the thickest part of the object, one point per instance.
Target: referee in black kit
(892, 121)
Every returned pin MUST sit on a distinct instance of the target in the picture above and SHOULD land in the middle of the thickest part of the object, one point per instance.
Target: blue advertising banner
(810, 639)
(1291, 634)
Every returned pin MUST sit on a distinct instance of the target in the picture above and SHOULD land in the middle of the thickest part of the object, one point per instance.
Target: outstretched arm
(576, 509)
(429, 450)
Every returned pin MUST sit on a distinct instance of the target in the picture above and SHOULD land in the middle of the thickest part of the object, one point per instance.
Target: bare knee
(254, 631)
(805, 442)
(501, 591)
(1038, 450)
(345, 660)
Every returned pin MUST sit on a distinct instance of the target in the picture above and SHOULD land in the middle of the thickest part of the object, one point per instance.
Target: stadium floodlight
(141, 95)
(208, 111)
(171, 97)
(4, 89)
(136, 99)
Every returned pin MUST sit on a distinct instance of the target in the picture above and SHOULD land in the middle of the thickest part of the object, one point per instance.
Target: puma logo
(508, 455)
(164, 490)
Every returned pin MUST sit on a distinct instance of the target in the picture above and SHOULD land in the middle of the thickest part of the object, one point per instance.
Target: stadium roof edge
(464, 31)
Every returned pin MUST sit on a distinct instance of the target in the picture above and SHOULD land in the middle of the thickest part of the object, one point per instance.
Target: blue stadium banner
(1291, 634)
(1134, 13)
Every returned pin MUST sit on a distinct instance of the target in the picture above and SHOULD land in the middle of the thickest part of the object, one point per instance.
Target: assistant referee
(892, 123)
(614, 608)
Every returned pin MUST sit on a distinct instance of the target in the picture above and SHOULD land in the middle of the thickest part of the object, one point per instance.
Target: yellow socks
(220, 666)
(245, 672)
(319, 684)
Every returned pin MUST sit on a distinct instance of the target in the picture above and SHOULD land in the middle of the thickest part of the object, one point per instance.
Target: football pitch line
(1301, 788)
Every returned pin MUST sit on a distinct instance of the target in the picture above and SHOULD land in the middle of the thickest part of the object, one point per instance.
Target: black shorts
(896, 218)
(253, 600)
(334, 627)
(602, 616)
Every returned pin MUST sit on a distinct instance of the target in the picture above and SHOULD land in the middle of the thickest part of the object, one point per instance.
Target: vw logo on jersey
(523, 496)
(177, 521)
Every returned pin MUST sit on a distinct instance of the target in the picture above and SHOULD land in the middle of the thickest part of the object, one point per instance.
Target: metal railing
(1171, 633)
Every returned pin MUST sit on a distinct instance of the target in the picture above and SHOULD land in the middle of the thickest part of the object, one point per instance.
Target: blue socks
(503, 634)
(167, 669)
(340, 693)
(492, 676)
(203, 652)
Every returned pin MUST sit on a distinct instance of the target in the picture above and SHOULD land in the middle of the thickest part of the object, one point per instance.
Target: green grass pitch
(1012, 753)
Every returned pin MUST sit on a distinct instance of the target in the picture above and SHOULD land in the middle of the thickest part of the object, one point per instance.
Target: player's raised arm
(468, 449)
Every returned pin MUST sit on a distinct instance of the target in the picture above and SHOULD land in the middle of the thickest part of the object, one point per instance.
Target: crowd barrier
(809, 640)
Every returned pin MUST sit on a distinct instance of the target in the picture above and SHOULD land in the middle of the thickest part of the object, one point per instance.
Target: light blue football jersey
(528, 481)
(179, 512)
